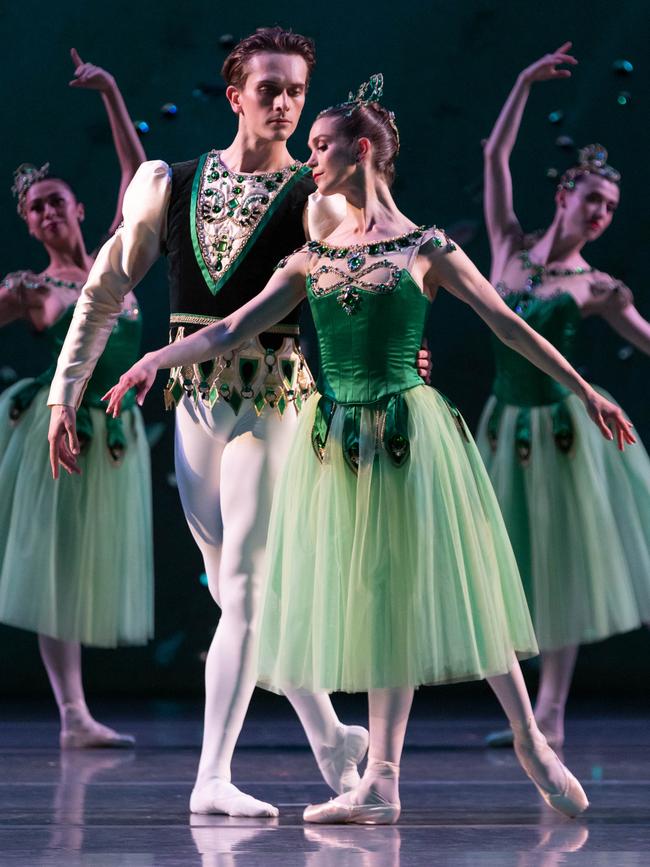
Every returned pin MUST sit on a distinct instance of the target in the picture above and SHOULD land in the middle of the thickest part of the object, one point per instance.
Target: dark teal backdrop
(448, 66)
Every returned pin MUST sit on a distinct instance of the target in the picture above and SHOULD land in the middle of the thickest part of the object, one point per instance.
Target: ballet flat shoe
(332, 813)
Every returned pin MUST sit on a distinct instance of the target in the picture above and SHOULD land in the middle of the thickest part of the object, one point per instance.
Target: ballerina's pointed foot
(336, 813)
(555, 783)
(81, 732)
(375, 801)
(97, 737)
(221, 797)
(338, 764)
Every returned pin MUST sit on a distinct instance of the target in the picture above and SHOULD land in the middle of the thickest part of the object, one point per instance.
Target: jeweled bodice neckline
(379, 247)
(370, 267)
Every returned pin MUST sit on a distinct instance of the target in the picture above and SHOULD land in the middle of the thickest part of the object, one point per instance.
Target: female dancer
(75, 558)
(578, 513)
(389, 565)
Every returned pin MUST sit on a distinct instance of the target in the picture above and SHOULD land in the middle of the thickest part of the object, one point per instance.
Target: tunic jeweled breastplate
(226, 232)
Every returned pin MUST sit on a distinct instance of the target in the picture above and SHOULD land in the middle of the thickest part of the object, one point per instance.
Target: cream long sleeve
(121, 263)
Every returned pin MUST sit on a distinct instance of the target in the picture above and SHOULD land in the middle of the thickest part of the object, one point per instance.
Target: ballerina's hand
(88, 76)
(140, 377)
(423, 363)
(610, 419)
(545, 68)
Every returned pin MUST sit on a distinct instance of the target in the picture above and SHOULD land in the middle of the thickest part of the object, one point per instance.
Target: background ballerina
(577, 512)
(75, 557)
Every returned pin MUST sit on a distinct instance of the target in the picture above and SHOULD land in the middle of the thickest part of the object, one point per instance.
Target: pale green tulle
(579, 524)
(75, 555)
(395, 577)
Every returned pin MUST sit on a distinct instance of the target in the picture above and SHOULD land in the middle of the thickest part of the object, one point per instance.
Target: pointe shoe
(568, 798)
(79, 731)
(333, 813)
(95, 737)
(338, 765)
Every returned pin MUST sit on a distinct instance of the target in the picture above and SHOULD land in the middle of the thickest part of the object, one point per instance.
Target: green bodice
(122, 350)
(519, 382)
(369, 353)
(369, 315)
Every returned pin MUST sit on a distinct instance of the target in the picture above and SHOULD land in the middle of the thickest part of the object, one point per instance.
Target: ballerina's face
(272, 96)
(589, 208)
(52, 212)
(333, 159)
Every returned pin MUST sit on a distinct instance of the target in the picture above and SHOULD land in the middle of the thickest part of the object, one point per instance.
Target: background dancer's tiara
(24, 177)
(592, 160)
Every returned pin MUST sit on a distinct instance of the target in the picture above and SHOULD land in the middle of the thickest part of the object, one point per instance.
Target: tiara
(592, 160)
(25, 176)
(367, 92)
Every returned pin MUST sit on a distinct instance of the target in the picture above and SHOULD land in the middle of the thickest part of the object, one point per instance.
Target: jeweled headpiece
(592, 160)
(368, 92)
(25, 176)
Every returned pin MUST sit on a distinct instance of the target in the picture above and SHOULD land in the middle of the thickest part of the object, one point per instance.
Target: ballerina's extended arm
(456, 272)
(502, 224)
(281, 294)
(128, 148)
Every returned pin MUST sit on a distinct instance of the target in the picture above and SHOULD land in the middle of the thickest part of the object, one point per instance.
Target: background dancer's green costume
(76, 559)
(389, 564)
(577, 509)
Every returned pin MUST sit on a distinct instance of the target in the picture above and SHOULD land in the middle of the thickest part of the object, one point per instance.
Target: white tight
(389, 712)
(226, 466)
(62, 661)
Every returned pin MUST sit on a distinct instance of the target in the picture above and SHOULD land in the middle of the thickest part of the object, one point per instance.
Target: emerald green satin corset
(369, 341)
(517, 381)
(121, 351)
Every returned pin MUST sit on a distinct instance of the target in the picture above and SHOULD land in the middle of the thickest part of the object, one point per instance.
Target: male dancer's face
(271, 99)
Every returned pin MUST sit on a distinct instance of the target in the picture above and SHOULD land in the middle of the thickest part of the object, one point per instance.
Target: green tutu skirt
(578, 514)
(75, 555)
(393, 575)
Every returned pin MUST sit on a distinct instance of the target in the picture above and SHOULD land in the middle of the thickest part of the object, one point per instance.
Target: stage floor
(462, 804)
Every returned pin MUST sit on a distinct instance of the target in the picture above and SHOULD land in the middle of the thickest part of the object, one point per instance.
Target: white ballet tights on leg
(555, 783)
(79, 730)
(225, 468)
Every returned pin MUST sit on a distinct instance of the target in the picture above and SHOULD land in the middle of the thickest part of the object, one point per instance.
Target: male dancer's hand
(423, 363)
(64, 445)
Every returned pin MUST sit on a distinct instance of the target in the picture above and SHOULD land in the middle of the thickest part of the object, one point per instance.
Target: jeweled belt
(267, 378)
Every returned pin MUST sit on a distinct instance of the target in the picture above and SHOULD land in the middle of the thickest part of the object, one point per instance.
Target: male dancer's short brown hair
(273, 39)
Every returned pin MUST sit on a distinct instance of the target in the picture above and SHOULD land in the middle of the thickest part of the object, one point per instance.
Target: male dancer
(224, 220)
